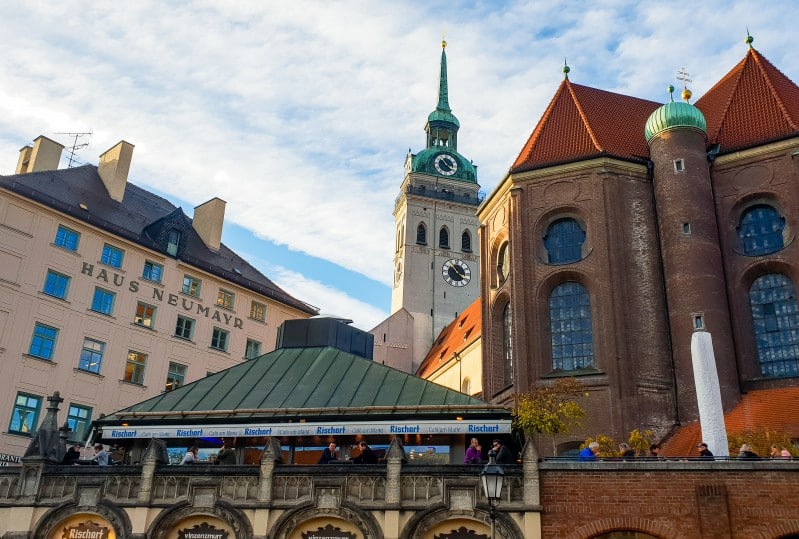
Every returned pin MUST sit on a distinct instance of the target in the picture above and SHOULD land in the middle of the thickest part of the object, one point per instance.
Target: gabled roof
(772, 409)
(582, 122)
(458, 335)
(80, 193)
(752, 104)
(290, 384)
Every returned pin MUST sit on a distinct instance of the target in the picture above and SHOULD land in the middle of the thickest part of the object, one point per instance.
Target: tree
(761, 440)
(550, 410)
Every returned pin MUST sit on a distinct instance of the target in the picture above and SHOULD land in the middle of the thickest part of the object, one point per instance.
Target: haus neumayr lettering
(186, 304)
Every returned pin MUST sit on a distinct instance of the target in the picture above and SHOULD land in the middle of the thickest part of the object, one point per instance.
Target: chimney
(208, 220)
(43, 155)
(114, 167)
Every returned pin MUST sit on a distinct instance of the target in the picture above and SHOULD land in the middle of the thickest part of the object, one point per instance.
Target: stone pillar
(395, 456)
(532, 485)
(269, 459)
(154, 455)
(708, 395)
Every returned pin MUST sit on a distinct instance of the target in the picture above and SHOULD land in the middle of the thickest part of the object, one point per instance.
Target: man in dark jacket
(367, 456)
(501, 454)
(72, 455)
(329, 454)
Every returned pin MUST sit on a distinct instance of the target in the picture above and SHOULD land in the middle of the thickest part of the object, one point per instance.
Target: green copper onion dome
(673, 115)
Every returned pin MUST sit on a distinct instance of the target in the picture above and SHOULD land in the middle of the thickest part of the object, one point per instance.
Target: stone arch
(605, 525)
(423, 521)
(171, 517)
(291, 520)
(112, 514)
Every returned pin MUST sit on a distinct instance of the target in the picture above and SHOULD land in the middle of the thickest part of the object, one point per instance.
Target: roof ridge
(584, 116)
(539, 128)
(736, 73)
(762, 62)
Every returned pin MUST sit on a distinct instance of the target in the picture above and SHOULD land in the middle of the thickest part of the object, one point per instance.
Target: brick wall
(671, 499)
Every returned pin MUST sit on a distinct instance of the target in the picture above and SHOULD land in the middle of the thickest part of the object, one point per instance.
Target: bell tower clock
(436, 257)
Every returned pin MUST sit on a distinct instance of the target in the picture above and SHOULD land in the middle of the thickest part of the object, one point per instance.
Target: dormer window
(173, 243)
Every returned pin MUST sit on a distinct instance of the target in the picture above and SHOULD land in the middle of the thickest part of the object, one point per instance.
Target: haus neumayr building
(110, 294)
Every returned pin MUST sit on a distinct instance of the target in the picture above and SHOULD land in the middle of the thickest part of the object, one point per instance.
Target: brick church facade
(624, 226)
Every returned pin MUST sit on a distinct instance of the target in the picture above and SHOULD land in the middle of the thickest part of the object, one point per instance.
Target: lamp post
(492, 477)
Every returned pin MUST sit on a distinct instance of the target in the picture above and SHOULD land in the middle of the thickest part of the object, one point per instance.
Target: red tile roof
(462, 332)
(772, 409)
(752, 104)
(582, 122)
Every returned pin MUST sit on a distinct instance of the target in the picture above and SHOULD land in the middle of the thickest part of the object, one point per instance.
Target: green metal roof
(423, 162)
(443, 113)
(673, 115)
(305, 383)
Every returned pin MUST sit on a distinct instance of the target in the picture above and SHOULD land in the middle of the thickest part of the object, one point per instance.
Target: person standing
(704, 452)
(329, 454)
(474, 453)
(655, 451)
(226, 455)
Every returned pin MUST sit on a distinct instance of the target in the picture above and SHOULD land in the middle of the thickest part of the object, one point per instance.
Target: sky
(300, 114)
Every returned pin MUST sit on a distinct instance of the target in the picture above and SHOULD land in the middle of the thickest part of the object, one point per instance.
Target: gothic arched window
(466, 242)
(443, 238)
(570, 326)
(507, 345)
(775, 314)
(421, 234)
(760, 230)
(564, 241)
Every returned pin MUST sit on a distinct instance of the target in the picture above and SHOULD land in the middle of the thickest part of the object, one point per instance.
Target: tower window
(699, 321)
(443, 238)
(679, 165)
(466, 242)
(507, 344)
(686, 228)
(421, 234)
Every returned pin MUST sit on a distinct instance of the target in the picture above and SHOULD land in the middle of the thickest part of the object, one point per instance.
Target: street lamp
(492, 477)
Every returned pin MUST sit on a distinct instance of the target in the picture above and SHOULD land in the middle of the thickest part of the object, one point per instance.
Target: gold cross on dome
(682, 75)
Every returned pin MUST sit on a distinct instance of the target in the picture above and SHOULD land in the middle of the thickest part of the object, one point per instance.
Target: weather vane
(683, 75)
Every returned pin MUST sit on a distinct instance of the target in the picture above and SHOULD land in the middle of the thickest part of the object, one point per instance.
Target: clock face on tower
(456, 272)
(445, 164)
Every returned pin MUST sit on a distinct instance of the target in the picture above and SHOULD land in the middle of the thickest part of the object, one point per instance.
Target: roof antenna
(72, 158)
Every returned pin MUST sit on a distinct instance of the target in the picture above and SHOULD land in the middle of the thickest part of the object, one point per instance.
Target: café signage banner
(501, 426)
(86, 530)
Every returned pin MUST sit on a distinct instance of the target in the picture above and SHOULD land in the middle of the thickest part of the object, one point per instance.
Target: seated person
(329, 454)
(366, 456)
(72, 455)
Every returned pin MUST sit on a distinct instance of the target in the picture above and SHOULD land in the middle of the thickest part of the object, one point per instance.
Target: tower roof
(443, 113)
(583, 122)
(673, 115)
(752, 104)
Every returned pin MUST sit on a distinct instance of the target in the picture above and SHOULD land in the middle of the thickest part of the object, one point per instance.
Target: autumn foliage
(549, 410)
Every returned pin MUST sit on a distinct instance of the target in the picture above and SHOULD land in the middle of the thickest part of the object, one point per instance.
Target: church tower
(436, 258)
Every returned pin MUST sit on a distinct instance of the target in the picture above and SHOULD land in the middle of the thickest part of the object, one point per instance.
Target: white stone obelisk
(708, 394)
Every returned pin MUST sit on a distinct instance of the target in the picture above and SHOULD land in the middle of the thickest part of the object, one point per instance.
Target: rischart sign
(202, 531)
(86, 530)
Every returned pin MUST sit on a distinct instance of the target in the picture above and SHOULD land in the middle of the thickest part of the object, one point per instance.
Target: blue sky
(300, 114)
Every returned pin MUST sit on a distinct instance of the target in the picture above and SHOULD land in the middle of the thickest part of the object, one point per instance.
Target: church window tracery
(760, 230)
(570, 327)
(443, 238)
(564, 241)
(775, 314)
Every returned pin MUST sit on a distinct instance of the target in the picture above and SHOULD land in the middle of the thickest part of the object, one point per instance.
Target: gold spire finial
(683, 75)
(443, 39)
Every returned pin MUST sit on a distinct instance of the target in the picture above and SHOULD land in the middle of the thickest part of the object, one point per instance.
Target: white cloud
(299, 114)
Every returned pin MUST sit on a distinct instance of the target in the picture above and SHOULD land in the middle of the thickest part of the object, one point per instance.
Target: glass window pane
(570, 328)
(775, 317)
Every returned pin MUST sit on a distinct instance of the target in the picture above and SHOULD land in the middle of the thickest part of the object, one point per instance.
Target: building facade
(624, 226)
(111, 294)
(436, 254)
